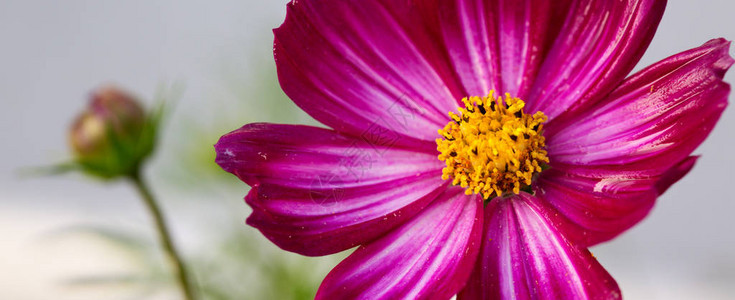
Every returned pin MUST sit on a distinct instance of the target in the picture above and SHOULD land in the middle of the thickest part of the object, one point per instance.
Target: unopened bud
(114, 135)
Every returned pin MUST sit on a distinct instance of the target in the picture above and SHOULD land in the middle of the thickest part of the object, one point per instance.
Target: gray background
(53, 53)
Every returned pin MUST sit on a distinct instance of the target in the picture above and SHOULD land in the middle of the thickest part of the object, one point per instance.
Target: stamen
(492, 147)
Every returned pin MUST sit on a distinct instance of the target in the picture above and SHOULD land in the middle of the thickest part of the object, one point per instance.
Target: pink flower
(575, 154)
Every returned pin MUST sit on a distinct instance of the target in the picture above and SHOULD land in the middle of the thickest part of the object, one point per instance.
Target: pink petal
(363, 67)
(596, 209)
(600, 43)
(525, 256)
(675, 173)
(655, 119)
(429, 257)
(318, 192)
(499, 44)
(611, 162)
(597, 203)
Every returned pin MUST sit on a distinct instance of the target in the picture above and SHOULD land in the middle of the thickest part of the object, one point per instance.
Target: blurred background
(71, 237)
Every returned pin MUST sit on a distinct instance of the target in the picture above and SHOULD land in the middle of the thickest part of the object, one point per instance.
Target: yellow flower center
(492, 147)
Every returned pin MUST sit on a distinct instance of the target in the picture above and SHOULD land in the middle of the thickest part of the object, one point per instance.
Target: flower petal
(596, 209)
(499, 45)
(525, 256)
(598, 203)
(659, 115)
(675, 173)
(367, 66)
(317, 192)
(610, 163)
(429, 257)
(600, 43)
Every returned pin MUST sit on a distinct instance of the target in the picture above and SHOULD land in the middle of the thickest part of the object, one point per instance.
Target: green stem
(164, 236)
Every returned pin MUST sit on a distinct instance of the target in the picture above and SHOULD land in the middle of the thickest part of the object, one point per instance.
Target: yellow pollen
(492, 147)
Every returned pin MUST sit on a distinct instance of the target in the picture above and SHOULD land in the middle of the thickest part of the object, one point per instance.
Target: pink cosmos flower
(549, 148)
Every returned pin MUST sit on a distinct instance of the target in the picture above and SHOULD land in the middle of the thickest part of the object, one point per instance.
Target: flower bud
(114, 135)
